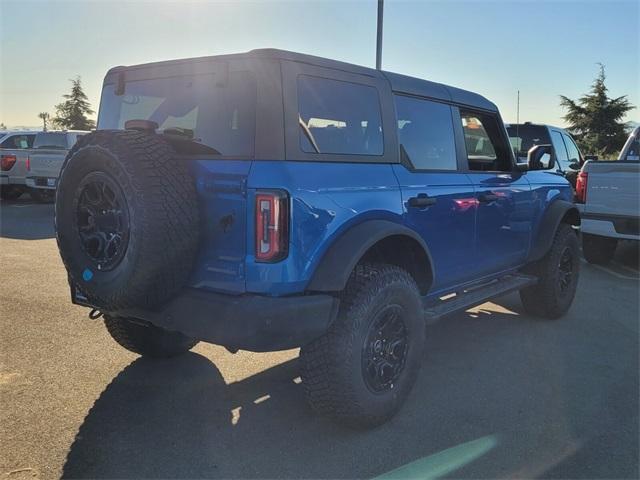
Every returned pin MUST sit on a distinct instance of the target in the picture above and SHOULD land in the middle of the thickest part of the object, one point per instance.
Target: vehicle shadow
(483, 377)
(24, 220)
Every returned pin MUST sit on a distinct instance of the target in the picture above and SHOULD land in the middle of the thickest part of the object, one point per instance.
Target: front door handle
(487, 197)
(421, 201)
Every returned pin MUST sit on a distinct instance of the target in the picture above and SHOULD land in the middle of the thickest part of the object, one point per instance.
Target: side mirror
(540, 157)
(574, 166)
(591, 157)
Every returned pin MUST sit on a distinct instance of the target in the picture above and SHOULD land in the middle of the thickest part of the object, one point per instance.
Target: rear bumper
(48, 183)
(247, 322)
(622, 227)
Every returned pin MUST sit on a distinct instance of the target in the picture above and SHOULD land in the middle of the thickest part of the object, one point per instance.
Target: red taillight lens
(7, 162)
(581, 187)
(28, 164)
(272, 225)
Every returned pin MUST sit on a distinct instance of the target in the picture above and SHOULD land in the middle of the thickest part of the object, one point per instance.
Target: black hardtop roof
(399, 83)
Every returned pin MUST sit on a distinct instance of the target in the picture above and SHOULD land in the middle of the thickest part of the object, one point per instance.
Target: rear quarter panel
(326, 199)
(18, 172)
(546, 188)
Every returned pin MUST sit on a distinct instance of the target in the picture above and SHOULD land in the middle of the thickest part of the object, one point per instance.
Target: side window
(572, 150)
(338, 117)
(561, 152)
(9, 142)
(486, 150)
(425, 133)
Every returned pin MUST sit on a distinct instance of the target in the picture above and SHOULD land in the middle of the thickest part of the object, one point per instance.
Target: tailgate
(222, 198)
(46, 163)
(613, 188)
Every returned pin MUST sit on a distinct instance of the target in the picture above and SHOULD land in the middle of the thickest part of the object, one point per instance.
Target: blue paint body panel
(467, 240)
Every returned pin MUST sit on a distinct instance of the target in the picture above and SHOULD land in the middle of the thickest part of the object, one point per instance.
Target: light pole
(379, 37)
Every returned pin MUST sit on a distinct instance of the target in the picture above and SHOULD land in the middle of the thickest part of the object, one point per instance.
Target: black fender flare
(337, 263)
(542, 239)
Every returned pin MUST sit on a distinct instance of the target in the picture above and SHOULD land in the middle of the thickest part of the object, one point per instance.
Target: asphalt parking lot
(500, 394)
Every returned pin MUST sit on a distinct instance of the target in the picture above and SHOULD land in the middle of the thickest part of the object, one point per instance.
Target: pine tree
(595, 119)
(72, 113)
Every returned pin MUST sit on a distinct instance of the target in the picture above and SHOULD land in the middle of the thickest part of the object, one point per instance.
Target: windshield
(56, 140)
(204, 113)
(523, 137)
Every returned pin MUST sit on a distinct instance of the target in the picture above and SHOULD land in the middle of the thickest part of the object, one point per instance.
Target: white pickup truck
(608, 197)
(45, 161)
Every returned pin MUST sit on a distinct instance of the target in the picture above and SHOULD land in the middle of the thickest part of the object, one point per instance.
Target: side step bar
(476, 295)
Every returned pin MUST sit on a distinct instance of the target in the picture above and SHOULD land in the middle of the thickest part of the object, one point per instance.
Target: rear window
(53, 140)
(338, 117)
(17, 141)
(523, 137)
(203, 114)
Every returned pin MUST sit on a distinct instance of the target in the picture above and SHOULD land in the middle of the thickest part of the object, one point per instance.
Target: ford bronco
(273, 200)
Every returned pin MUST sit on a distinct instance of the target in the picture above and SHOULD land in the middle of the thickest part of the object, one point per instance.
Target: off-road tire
(42, 195)
(598, 250)
(11, 192)
(147, 340)
(159, 198)
(333, 367)
(547, 299)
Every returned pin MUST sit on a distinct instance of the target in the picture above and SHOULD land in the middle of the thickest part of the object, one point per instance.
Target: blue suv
(273, 200)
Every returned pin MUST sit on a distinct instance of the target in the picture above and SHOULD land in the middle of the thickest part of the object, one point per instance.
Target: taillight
(581, 187)
(28, 164)
(7, 162)
(272, 225)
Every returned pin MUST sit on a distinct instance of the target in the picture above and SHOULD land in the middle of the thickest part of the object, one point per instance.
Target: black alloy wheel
(102, 220)
(385, 349)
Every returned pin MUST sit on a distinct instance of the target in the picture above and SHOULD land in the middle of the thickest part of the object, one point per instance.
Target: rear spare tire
(126, 219)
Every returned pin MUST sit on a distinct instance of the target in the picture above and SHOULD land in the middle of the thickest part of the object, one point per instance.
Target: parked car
(273, 200)
(45, 160)
(607, 193)
(568, 159)
(14, 151)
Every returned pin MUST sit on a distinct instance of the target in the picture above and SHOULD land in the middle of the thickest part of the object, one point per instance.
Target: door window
(338, 117)
(561, 152)
(572, 150)
(425, 133)
(486, 149)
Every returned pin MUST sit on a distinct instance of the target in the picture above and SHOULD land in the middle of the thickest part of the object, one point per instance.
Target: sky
(495, 48)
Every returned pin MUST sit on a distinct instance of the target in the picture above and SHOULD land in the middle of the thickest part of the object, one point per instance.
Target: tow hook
(95, 314)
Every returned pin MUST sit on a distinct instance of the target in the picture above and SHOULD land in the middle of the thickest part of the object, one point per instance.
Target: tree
(44, 116)
(3, 126)
(72, 113)
(595, 119)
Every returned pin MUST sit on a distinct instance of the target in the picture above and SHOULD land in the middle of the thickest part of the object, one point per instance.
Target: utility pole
(379, 37)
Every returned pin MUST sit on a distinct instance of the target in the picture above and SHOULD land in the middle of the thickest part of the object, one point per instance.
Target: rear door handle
(487, 197)
(422, 200)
